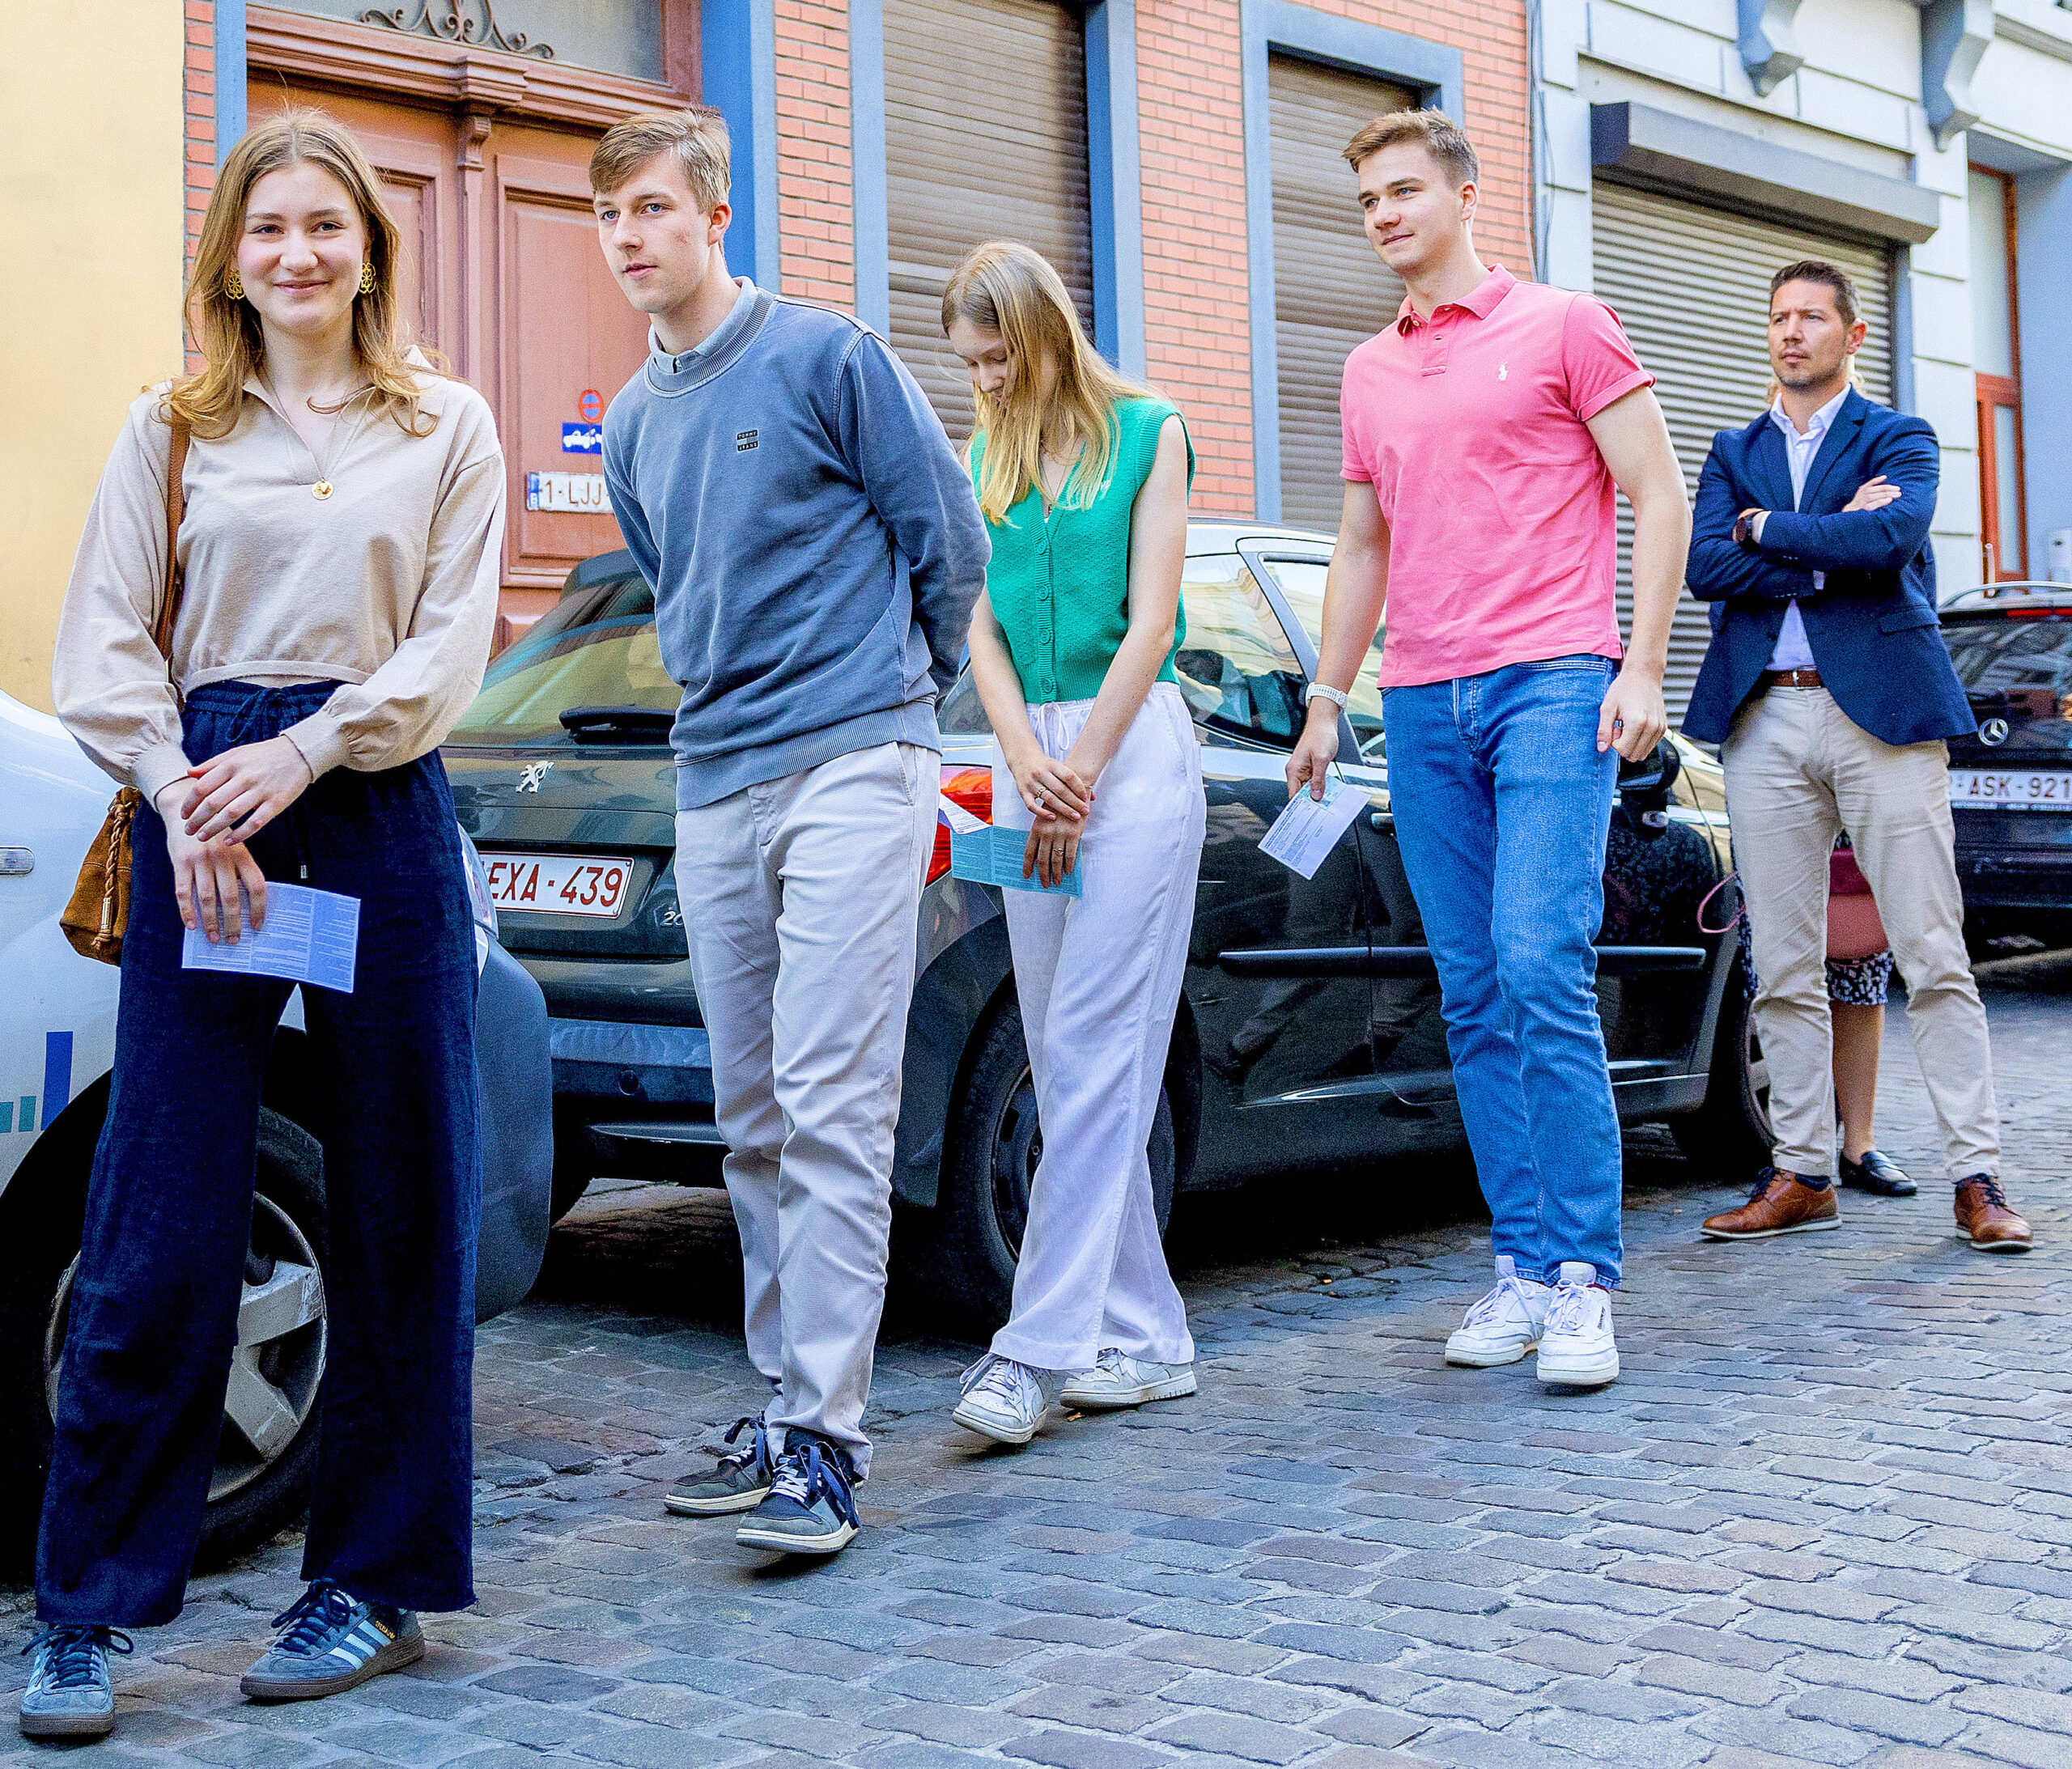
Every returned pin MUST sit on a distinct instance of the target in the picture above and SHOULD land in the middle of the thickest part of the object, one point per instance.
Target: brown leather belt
(1791, 678)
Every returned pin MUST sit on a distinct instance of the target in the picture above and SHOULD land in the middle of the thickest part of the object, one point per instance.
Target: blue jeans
(392, 1087)
(1502, 805)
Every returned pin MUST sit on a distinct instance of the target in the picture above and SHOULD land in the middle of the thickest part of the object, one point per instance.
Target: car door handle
(16, 862)
(1381, 819)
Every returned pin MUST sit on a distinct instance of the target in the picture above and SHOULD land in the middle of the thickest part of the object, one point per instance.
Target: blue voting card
(310, 936)
(993, 856)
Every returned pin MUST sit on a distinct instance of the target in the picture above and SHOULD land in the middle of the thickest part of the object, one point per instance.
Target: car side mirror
(1653, 775)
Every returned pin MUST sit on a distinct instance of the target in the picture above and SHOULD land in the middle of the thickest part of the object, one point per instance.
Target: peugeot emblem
(1994, 731)
(529, 780)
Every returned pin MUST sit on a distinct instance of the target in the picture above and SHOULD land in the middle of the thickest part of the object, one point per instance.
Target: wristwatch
(1325, 691)
(1744, 531)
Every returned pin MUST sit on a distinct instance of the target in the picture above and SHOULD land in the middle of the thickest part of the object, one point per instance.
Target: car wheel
(989, 1154)
(267, 1452)
(1731, 1132)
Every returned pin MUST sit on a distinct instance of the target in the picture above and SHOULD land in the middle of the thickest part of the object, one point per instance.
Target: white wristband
(1325, 691)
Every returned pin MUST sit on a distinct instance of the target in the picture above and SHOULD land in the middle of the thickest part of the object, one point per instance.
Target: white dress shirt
(1800, 447)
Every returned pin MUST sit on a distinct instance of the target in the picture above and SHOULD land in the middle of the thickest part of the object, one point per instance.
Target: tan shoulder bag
(99, 912)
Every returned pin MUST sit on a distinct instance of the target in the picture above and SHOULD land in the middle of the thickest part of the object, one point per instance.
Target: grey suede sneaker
(738, 1483)
(71, 1695)
(330, 1642)
(809, 1510)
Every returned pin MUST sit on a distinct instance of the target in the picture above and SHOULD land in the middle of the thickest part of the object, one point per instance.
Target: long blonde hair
(1004, 287)
(226, 330)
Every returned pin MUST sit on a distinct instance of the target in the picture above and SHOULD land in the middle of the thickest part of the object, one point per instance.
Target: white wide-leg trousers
(801, 901)
(1098, 978)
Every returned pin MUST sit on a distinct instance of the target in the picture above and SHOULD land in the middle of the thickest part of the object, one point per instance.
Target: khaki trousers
(1799, 771)
(801, 901)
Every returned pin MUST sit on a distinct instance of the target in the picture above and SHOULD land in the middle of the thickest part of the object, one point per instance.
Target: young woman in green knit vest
(1083, 482)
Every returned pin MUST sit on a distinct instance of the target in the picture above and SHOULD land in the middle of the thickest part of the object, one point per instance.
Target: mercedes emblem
(1994, 731)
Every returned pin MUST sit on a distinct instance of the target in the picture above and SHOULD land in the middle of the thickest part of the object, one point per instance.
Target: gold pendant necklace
(320, 490)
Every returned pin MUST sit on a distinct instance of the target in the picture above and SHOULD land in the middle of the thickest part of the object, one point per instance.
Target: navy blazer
(1872, 627)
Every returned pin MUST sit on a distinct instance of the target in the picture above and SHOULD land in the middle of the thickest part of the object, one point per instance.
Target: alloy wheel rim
(1017, 1146)
(278, 1364)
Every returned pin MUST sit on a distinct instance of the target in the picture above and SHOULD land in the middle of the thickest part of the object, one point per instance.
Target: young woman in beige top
(343, 521)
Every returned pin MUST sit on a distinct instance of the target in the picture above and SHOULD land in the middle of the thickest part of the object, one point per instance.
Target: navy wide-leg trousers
(154, 1307)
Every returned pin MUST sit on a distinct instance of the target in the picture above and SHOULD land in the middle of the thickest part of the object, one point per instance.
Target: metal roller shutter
(985, 137)
(1331, 292)
(1692, 285)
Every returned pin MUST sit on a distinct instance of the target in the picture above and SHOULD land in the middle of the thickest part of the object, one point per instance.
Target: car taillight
(970, 789)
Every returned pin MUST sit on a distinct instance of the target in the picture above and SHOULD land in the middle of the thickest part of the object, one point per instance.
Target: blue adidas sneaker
(69, 1693)
(809, 1510)
(331, 1642)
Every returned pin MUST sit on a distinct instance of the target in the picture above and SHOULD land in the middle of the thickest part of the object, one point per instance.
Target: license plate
(2013, 789)
(557, 884)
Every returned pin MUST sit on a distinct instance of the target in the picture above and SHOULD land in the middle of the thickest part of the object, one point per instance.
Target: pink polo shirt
(1503, 547)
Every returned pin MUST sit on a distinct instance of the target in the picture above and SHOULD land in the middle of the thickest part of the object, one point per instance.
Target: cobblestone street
(1825, 1517)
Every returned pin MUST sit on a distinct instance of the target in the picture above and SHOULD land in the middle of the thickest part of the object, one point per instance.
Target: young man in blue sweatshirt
(815, 550)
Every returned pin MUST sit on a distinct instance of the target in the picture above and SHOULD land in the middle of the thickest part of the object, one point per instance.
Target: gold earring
(234, 285)
(366, 278)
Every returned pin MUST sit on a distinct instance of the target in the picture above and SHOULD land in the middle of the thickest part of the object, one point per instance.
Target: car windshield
(2026, 658)
(1301, 581)
(598, 648)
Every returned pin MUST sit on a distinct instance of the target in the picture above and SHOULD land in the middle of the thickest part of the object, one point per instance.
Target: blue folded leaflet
(993, 856)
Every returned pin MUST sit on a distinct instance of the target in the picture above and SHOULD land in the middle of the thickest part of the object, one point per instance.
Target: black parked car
(1309, 1032)
(2010, 786)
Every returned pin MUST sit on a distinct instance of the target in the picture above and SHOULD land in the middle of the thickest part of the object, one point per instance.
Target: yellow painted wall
(91, 197)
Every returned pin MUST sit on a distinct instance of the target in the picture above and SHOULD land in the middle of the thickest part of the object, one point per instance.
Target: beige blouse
(388, 584)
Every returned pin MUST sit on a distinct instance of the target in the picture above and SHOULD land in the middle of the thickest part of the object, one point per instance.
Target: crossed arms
(1793, 547)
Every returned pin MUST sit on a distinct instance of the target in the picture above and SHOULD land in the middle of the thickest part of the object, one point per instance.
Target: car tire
(989, 1158)
(255, 1494)
(1730, 1133)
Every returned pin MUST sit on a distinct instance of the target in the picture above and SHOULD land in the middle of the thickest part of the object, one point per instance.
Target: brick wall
(1191, 111)
(1197, 321)
(816, 217)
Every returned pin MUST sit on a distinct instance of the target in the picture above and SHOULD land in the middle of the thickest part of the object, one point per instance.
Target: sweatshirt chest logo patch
(744, 440)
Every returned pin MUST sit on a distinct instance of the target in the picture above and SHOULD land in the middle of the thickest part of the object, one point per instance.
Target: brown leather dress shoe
(1984, 1220)
(1781, 1204)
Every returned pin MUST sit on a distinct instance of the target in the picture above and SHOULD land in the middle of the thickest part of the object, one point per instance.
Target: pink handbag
(1854, 930)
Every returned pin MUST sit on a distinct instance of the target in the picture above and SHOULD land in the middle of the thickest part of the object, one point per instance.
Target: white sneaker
(1005, 1401)
(1119, 1380)
(1504, 1325)
(1576, 1350)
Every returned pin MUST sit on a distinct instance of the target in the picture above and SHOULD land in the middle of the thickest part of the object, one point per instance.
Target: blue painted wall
(738, 52)
(230, 76)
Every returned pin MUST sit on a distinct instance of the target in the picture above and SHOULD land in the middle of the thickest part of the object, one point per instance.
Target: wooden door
(559, 330)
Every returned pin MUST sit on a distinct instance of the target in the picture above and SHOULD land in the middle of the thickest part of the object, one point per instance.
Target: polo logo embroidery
(1503, 371)
(744, 440)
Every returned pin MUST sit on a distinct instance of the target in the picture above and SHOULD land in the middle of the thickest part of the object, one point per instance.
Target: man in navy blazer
(1830, 692)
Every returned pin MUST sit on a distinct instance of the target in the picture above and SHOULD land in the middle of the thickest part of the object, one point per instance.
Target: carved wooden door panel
(562, 337)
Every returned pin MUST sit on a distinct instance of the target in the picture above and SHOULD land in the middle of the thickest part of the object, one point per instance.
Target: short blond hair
(696, 136)
(1437, 134)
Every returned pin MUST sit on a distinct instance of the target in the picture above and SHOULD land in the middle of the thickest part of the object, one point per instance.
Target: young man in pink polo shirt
(1485, 432)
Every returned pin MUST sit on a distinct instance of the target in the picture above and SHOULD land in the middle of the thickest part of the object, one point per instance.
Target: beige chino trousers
(1799, 771)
